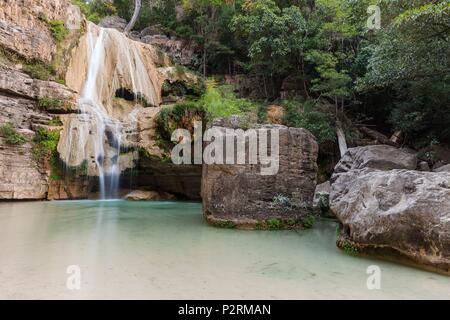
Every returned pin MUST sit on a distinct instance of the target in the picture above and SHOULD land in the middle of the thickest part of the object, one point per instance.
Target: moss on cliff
(10, 134)
(45, 150)
(48, 103)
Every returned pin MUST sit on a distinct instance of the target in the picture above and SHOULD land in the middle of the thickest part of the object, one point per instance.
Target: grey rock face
(20, 177)
(322, 196)
(398, 212)
(381, 157)
(240, 194)
(445, 168)
(423, 166)
(182, 51)
(113, 22)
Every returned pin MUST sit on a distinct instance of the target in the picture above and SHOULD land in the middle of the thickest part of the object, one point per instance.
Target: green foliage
(349, 248)
(275, 37)
(10, 135)
(59, 31)
(180, 116)
(274, 224)
(45, 149)
(49, 103)
(225, 224)
(286, 224)
(410, 59)
(220, 101)
(39, 70)
(309, 221)
(306, 114)
(397, 77)
(55, 122)
(332, 82)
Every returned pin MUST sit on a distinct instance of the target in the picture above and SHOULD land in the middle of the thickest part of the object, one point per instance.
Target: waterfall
(91, 106)
(97, 133)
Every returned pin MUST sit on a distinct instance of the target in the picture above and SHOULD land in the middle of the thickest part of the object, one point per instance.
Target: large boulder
(396, 213)
(380, 157)
(239, 195)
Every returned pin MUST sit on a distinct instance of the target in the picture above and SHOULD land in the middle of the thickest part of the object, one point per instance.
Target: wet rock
(140, 195)
(70, 187)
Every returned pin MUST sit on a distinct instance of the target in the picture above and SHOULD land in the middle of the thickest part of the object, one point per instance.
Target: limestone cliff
(31, 56)
(55, 66)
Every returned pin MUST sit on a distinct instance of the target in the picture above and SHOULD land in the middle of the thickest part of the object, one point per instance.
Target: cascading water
(96, 134)
(106, 127)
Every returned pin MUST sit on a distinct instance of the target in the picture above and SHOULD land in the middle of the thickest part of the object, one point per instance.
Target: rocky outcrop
(241, 196)
(20, 176)
(389, 209)
(24, 26)
(322, 196)
(71, 186)
(184, 181)
(380, 157)
(141, 195)
(16, 83)
(396, 213)
(113, 22)
(181, 50)
(445, 168)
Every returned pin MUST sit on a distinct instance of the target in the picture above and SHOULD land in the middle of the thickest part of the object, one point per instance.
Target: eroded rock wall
(24, 26)
(27, 41)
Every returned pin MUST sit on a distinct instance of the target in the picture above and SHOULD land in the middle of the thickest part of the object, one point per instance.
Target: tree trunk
(137, 10)
(341, 139)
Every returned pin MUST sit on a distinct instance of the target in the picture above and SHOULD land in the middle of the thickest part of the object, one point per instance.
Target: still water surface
(164, 250)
